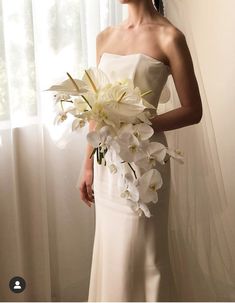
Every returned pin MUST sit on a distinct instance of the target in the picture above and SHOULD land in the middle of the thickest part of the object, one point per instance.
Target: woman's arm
(182, 71)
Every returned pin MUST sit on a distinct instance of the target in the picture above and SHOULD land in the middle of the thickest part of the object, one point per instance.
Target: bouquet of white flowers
(121, 136)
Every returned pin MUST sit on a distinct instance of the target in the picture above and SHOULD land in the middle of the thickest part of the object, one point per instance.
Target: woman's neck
(140, 13)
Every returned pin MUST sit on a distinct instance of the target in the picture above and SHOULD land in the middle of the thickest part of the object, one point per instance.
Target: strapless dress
(130, 260)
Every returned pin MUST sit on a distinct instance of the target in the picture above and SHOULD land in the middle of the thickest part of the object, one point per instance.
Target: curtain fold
(46, 230)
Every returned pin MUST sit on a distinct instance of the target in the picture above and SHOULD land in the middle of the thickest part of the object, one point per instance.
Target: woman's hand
(86, 191)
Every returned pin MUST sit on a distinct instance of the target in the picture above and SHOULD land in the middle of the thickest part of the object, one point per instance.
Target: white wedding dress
(130, 260)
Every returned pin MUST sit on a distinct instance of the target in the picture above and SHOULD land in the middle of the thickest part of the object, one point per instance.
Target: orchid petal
(93, 138)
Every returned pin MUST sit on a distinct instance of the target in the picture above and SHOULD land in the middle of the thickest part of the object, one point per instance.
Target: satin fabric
(130, 260)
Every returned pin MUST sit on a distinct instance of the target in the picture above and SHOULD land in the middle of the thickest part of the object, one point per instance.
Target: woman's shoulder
(163, 30)
(167, 29)
(103, 34)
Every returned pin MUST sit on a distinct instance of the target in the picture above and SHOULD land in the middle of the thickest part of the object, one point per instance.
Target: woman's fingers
(84, 194)
(90, 193)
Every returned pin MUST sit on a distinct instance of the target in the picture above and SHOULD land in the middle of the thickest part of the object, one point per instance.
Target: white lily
(149, 183)
(122, 133)
(101, 115)
(95, 79)
(74, 88)
(123, 101)
(128, 83)
(80, 105)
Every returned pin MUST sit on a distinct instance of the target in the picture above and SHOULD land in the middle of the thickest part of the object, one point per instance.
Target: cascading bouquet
(122, 132)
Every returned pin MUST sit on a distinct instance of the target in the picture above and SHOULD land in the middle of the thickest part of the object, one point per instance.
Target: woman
(131, 255)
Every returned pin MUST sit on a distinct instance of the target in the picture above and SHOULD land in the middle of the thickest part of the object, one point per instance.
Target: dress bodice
(147, 73)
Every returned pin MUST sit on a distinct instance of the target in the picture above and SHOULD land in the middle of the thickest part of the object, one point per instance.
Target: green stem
(121, 97)
(93, 152)
(77, 88)
(97, 155)
(74, 83)
(67, 101)
(86, 101)
(146, 93)
(61, 105)
(91, 81)
(132, 169)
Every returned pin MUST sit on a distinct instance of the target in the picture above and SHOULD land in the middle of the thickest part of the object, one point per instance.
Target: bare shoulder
(174, 44)
(103, 35)
(170, 35)
(171, 32)
(181, 64)
(101, 39)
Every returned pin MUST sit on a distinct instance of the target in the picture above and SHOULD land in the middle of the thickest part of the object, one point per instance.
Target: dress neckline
(140, 54)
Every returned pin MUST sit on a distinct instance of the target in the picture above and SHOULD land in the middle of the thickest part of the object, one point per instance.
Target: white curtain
(46, 231)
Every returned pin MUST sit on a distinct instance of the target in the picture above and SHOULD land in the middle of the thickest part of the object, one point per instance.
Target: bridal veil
(201, 218)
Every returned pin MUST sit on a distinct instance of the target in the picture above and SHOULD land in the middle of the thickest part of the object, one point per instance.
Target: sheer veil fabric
(201, 225)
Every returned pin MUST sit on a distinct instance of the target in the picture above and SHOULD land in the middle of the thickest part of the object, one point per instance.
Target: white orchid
(176, 154)
(141, 191)
(153, 152)
(112, 158)
(149, 183)
(122, 134)
(102, 137)
(78, 123)
(130, 148)
(130, 139)
(61, 115)
(128, 187)
(140, 208)
(62, 97)
(113, 168)
(102, 140)
(141, 131)
(143, 117)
